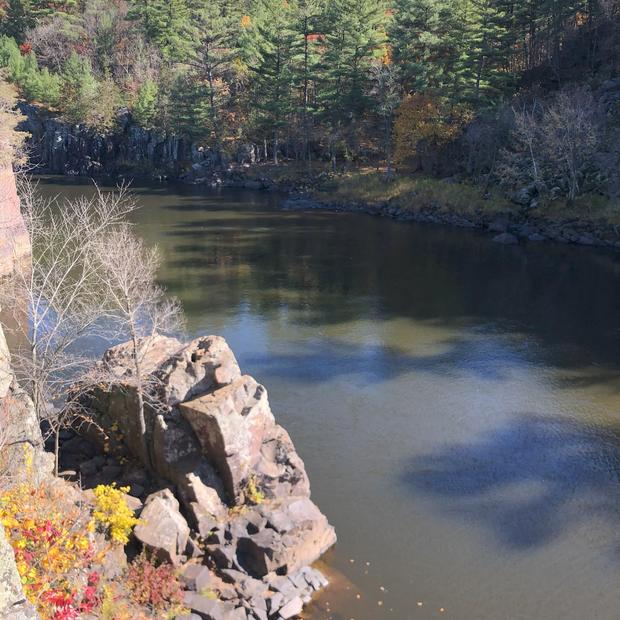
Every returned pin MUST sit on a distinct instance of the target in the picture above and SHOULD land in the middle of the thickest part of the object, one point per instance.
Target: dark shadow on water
(528, 482)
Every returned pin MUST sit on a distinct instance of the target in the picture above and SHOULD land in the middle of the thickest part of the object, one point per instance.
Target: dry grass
(412, 192)
(419, 192)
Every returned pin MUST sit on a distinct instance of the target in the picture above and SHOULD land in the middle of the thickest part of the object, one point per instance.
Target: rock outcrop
(20, 442)
(235, 499)
(20, 433)
(14, 240)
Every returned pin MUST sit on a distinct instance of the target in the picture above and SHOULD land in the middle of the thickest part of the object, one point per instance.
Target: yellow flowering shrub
(53, 551)
(112, 515)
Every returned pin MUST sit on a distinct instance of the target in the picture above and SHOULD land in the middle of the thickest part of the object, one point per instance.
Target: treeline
(304, 79)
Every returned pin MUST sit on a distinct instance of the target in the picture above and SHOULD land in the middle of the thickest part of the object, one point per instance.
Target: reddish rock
(14, 241)
(231, 424)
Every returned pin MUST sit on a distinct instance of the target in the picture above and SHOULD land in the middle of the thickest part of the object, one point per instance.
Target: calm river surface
(457, 402)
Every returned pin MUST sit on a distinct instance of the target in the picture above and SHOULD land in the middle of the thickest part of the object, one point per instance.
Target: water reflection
(400, 358)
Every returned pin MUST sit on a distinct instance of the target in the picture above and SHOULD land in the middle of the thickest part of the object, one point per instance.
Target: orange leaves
(426, 119)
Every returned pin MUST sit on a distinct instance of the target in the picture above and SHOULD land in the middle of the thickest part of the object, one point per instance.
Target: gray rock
(275, 602)
(162, 528)
(506, 239)
(292, 608)
(230, 424)
(13, 604)
(211, 609)
(499, 226)
(536, 237)
(197, 578)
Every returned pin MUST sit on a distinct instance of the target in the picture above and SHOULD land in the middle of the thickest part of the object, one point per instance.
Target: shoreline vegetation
(513, 99)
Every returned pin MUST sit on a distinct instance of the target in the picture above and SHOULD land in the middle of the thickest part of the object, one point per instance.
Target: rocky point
(224, 495)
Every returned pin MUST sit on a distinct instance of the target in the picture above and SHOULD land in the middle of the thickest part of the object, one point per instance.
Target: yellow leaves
(112, 514)
(246, 21)
(426, 119)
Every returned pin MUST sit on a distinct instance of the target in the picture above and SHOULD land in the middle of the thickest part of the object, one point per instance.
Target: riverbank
(591, 221)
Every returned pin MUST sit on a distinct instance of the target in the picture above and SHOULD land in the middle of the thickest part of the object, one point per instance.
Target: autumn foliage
(426, 121)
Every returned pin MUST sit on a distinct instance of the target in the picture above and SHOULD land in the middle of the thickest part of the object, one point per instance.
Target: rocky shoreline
(59, 148)
(225, 498)
(506, 228)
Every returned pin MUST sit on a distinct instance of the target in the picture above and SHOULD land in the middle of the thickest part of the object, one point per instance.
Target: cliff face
(14, 243)
(20, 438)
(57, 147)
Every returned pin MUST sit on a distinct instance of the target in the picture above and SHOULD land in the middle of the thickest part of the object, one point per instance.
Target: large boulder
(172, 373)
(162, 528)
(203, 365)
(231, 424)
(296, 534)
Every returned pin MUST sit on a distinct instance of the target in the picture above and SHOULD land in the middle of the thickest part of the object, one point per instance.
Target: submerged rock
(506, 239)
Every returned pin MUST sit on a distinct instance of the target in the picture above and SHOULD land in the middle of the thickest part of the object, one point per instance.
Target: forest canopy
(306, 79)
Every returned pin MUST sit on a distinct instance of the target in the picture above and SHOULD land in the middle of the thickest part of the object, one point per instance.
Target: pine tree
(354, 36)
(269, 53)
(167, 24)
(216, 24)
(19, 16)
(306, 29)
(416, 38)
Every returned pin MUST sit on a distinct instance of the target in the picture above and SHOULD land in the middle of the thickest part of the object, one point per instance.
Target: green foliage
(268, 48)
(81, 89)
(145, 106)
(355, 36)
(307, 78)
(167, 23)
(36, 85)
(18, 16)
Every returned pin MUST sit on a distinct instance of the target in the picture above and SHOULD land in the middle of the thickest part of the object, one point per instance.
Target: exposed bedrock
(14, 241)
(235, 496)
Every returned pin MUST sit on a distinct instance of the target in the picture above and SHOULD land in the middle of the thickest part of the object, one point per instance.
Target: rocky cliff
(57, 147)
(227, 496)
(14, 242)
(20, 439)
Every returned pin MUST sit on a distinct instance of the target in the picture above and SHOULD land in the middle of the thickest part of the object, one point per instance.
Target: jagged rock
(19, 425)
(14, 239)
(213, 609)
(280, 469)
(230, 424)
(297, 534)
(152, 352)
(197, 578)
(291, 609)
(214, 438)
(179, 373)
(162, 528)
(202, 365)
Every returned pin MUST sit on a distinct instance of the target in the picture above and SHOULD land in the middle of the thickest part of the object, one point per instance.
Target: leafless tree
(53, 42)
(60, 293)
(554, 144)
(139, 307)
(570, 136)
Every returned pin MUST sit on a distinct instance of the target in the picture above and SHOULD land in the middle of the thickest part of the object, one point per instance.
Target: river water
(457, 402)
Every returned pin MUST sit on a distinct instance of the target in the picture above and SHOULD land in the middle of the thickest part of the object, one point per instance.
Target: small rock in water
(506, 239)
